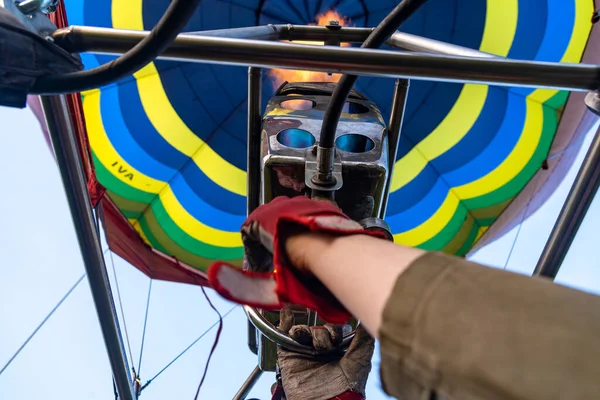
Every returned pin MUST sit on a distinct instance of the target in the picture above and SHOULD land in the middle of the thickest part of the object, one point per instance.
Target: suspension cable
(99, 215)
(145, 323)
(189, 347)
(112, 261)
(514, 243)
(42, 323)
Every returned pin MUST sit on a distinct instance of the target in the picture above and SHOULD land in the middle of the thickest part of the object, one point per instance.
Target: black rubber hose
(162, 35)
(376, 39)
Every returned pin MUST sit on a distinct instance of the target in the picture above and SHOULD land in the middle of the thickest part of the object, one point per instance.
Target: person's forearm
(346, 265)
(458, 328)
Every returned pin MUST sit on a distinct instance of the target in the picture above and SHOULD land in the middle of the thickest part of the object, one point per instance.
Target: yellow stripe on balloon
(446, 135)
(500, 26)
(505, 172)
(480, 233)
(530, 136)
(532, 130)
(432, 226)
(576, 47)
(195, 228)
(498, 35)
(106, 153)
(516, 160)
(127, 14)
(136, 225)
(111, 159)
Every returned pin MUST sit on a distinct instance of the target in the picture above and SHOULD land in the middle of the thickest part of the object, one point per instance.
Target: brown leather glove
(327, 375)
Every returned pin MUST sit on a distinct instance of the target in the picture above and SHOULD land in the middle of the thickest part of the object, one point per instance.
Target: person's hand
(271, 278)
(331, 374)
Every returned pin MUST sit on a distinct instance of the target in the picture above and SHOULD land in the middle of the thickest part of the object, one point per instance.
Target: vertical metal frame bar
(571, 216)
(62, 133)
(253, 161)
(248, 384)
(394, 132)
(253, 138)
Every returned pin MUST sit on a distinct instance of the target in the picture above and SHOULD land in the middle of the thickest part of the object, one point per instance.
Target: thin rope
(42, 323)
(145, 322)
(98, 215)
(512, 247)
(189, 347)
(115, 390)
(112, 261)
(214, 346)
(514, 243)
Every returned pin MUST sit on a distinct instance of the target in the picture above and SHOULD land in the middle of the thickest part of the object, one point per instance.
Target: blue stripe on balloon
(205, 212)
(413, 192)
(498, 149)
(530, 29)
(125, 144)
(203, 110)
(136, 156)
(469, 23)
(431, 110)
(212, 193)
(148, 138)
(142, 130)
(561, 19)
(420, 212)
(479, 136)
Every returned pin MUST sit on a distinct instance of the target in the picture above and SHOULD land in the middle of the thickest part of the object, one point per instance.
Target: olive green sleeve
(467, 332)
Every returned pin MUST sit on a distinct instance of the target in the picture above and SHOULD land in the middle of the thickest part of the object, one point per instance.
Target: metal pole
(370, 62)
(248, 384)
(253, 160)
(265, 32)
(65, 146)
(253, 139)
(573, 212)
(394, 131)
(420, 44)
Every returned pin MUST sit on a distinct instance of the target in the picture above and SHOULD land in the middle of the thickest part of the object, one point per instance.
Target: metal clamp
(311, 172)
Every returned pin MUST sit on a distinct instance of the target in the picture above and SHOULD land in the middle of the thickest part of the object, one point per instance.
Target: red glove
(272, 281)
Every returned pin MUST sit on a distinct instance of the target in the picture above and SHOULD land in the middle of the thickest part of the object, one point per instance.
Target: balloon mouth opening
(354, 143)
(298, 104)
(354, 108)
(296, 138)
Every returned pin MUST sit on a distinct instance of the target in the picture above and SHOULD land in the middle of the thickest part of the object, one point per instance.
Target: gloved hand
(329, 375)
(273, 281)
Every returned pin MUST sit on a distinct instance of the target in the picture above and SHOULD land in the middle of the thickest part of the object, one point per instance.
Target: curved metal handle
(283, 339)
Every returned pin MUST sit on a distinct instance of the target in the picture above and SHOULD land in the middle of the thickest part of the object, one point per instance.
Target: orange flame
(332, 15)
(281, 75)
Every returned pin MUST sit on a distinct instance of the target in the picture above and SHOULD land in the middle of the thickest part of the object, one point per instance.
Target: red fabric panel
(124, 241)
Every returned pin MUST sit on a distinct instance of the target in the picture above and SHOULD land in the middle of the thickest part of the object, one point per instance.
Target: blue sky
(66, 359)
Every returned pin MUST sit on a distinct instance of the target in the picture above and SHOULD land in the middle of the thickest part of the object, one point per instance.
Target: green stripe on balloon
(110, 182)
(466, 247)
(439, 241)
(517, 184)
(161, 241)
(187, 242)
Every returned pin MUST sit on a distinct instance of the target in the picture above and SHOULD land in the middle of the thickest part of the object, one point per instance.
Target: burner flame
(278, 76)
